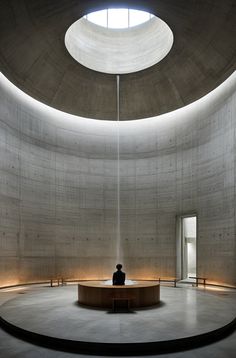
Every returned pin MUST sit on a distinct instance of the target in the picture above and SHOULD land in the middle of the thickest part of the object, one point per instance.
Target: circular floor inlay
(183, 312)
(119, 51)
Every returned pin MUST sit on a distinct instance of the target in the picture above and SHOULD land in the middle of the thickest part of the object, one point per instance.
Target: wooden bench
(174, 280)
(121, 299)
(59, 281)
(199, 278)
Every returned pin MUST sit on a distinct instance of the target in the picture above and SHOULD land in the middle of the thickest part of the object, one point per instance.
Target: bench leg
(114, 305)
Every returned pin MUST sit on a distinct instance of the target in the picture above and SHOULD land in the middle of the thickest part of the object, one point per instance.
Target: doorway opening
(187, 246)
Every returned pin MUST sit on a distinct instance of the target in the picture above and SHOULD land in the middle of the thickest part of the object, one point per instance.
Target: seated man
(118, 276)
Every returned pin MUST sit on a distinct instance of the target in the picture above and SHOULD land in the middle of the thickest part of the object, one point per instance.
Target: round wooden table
(99, 294)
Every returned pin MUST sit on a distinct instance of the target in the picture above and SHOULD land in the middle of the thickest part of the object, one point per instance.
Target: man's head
(119, 267)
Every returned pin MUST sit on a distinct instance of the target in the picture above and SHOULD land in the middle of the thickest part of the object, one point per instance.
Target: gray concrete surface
(12, 347)
(183, 312)
(119, 51)
(59, 190)
(34, 57)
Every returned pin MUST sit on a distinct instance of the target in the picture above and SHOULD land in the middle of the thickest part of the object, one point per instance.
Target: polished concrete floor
(12, 347)
(182, 312)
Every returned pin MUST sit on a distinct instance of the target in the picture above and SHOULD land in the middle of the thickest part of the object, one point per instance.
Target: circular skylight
(118, 18)
(119, 41)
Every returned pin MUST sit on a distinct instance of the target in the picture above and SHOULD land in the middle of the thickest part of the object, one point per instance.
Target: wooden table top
(101, 284)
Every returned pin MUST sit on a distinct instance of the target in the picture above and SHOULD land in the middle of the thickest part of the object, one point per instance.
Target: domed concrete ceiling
(34, 57)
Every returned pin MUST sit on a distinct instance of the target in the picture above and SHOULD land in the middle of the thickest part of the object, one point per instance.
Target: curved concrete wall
(58, 189)
(119, 51)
